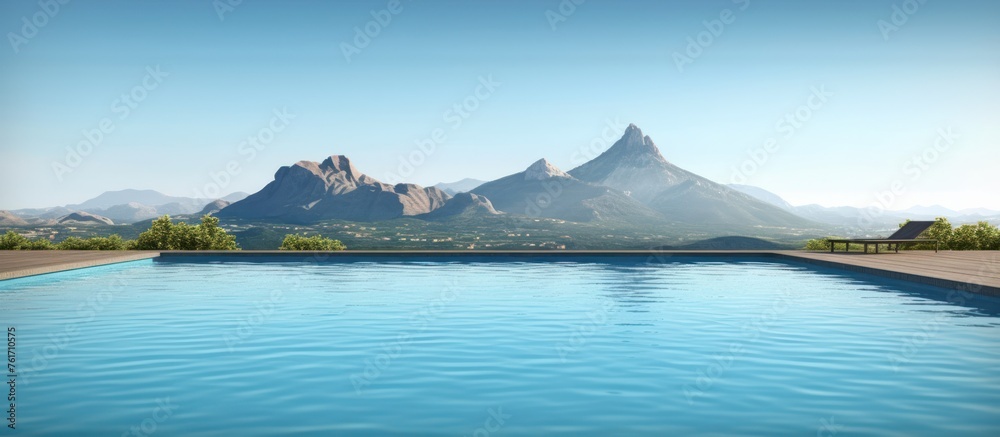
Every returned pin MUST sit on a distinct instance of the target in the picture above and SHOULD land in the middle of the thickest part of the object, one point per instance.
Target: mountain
(462, 186)
(9, 219)
(462, 205)
(635, 167)
(126, 213)
(853, 219)
(144, 197)
(542, 190)
(234, 197)
(764, 195)
(334, 189)
(985, 212)
(127, 206)
(81, 217)
(42, 213)
(214, 207)
(931, 211)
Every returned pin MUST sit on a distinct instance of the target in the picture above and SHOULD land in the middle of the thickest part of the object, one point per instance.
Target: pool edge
(879, 265)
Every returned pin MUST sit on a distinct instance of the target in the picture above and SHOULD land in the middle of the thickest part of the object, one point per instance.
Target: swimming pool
(489, 346)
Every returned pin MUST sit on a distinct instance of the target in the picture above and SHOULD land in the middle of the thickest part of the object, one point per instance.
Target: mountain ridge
(309, 191)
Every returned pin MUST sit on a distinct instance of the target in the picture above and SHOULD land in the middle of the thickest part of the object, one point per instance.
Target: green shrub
(980, 236)
(165, 235)
(14, 241)
(316, 242)
(112, 242)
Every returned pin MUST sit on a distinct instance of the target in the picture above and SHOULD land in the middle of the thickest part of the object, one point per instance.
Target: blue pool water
(584, 346)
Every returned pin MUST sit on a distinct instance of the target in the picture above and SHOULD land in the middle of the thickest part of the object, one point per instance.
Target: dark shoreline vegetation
(163, 234)
(498, 233)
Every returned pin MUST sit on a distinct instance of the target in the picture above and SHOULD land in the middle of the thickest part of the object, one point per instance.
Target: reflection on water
(592, 345)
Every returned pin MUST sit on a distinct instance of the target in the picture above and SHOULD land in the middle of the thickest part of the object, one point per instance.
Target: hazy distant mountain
(144, 197)
(462, 186)
(635, 167)
(127, 213)
(932, 211)
(980, 212)
(462, 205)
(42, 213)
(127, 206)
(543, 190)
(84, 218)
(310, 191)
(853, 218)
(762, 194)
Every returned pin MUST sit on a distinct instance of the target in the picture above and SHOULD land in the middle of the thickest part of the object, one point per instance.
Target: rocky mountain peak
(634, 144)
(340, 163)
(542, 170)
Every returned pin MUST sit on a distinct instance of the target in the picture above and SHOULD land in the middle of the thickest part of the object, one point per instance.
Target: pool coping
(950, 276)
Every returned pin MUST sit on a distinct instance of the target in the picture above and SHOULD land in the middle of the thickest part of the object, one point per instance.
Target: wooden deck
(19, 263)
(973, 271)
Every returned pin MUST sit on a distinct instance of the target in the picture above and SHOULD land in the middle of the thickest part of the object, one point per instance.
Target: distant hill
(762, 194)
(42, 213)
(84, 218)
(462, 205)
(733, 243)
(462, 186)
(214, 207)
(9, 219)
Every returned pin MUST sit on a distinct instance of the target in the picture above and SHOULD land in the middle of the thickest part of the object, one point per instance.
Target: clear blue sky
(558, 87)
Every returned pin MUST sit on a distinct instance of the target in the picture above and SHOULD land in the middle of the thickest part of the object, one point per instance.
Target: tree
(316, 242)
(165, 235)
(213, 237)
(980, 236)
(157, 237)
